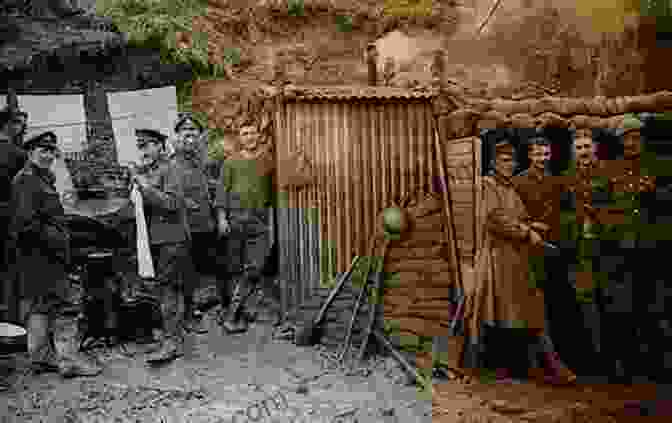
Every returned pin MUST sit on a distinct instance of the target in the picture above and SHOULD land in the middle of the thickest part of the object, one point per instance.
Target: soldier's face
(18, 125)
(43, 156)
(149, 151)
(189, 131)
(632, 144)
(584, 149)
(249, 137)
(504, 162)
(539, 156)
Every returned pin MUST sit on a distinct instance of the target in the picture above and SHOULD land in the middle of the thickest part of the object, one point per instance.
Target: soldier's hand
(223, 227)
(535, 238)
(540, 226)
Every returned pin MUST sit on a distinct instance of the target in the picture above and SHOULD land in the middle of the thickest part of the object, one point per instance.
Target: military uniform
(42, 255)
(548, 269)
(633, 302)
(164, 206)
(199, 216)
(12, 160)
(246, 194)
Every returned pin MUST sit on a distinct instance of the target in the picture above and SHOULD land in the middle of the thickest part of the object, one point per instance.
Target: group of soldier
(183, 223)
(560, 263)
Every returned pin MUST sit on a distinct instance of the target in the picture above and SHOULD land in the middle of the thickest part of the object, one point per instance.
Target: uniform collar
(45, 174)
(504, 180)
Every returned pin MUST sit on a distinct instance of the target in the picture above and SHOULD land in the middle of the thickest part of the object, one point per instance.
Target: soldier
(12, 160)
(190, 150)
(501, 271)
(163, 196)
(633, 305)
(243, 202)
(541, 193)
(581, 227)
(42, 249)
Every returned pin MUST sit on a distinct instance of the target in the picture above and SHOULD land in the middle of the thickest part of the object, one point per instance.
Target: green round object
(395, 220)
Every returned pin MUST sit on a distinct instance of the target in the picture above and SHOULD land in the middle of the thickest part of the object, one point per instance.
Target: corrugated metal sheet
(364, 154)
(336, 92)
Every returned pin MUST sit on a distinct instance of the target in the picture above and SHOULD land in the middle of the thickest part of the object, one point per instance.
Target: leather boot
(557, 372)
(168, 351)
(78, 365)
(40, 345)
(232, 320)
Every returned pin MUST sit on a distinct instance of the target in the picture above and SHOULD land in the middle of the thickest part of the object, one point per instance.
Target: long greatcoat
(41, 240)
(499, 293)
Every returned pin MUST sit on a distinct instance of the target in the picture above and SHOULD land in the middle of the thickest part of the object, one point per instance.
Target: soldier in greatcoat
(189, 158)
(42, 243)
(161, 188)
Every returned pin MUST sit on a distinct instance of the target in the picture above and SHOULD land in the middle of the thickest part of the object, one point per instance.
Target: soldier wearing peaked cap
(161, 187)
(190, 149)
(43, 253)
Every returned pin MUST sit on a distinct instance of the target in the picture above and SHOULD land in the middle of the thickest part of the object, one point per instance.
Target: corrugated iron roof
(308, 93)
(39, 37)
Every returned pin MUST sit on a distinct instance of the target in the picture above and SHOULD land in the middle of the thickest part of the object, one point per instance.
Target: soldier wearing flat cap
(633, 298)
(160, 184)
(42, 248)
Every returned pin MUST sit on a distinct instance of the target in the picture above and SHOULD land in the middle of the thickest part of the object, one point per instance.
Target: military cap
(538, 140)
(187, 117)
(630, 123)
(46, 139)
(149, 135)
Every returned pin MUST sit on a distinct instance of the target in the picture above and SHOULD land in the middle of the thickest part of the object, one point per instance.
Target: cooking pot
(13, 339)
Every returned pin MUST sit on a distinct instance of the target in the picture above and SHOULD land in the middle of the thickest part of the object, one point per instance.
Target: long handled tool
(373, 308)
(408, 368)
(307, 335)
(455, 343)
(358, 303)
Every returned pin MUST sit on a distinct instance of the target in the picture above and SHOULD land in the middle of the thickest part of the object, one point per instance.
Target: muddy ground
(256, 377)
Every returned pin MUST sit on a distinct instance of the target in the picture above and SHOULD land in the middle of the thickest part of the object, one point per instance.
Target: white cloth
(145, 264)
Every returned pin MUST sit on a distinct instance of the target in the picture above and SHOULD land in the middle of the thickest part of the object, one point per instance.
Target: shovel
(308, 335)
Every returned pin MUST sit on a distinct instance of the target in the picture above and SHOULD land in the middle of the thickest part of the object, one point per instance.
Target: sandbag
(435, 264)
(432, 223)
(396, 254)
(421, 327)
(428, 205)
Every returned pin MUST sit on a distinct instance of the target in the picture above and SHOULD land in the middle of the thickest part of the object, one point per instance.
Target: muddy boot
(76, 366)
(168, 351)
(232, 321)
(557, 372)
(193, 324)
(41, 348)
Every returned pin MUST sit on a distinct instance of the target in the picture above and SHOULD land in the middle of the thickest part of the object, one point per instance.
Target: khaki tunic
(499, 293)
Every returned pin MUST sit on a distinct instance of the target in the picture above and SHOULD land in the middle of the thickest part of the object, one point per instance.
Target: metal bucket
(13, 339)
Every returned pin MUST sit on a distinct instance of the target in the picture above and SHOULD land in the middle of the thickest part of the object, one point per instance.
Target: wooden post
(371, 61)
(438, 69)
